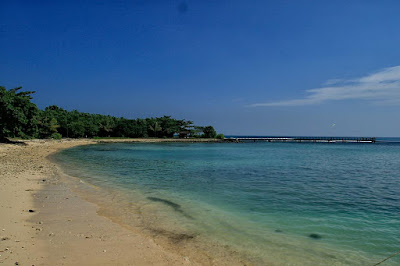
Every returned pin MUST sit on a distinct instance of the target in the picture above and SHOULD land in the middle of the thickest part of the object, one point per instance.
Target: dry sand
(44, 222)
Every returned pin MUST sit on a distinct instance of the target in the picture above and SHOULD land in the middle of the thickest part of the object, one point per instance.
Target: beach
(44, 222)
(181, 202)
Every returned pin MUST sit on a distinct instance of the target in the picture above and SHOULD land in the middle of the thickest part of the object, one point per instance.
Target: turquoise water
(282, 203)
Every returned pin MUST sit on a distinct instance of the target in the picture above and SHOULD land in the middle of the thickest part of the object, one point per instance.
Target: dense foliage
(18, 115)
(20, 118)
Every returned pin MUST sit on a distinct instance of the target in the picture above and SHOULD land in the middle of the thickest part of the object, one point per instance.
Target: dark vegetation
(20, 118)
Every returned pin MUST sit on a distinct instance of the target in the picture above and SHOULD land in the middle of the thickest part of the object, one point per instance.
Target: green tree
(60, 115)
(209, 132)
(18, 115)
(106, 125)
(141, 128)
(77, 129)
(155, 127)
(47, 126)
(220, 136)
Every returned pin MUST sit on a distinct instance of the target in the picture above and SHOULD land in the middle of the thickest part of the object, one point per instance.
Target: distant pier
(303, 139)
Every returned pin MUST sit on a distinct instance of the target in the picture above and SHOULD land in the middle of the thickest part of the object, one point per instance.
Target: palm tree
(155, 128)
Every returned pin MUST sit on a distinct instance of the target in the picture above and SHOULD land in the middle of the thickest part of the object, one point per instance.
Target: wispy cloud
(380, 87)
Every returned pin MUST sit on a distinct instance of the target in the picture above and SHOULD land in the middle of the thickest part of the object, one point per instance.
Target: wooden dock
(304, 139)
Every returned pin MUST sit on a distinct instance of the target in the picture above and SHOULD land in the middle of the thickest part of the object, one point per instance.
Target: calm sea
(285, 203)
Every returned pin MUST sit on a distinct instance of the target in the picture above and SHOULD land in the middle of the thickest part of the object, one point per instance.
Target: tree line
(20, 118)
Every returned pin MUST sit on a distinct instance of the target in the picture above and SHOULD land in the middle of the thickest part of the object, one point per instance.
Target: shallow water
(285, 203)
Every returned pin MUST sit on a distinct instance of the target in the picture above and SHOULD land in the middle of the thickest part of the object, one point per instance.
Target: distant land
(20, 118)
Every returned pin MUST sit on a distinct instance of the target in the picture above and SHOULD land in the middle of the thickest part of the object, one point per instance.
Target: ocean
(277, 203)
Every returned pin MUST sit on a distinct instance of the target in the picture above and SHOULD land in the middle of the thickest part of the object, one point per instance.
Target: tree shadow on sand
(14, 142)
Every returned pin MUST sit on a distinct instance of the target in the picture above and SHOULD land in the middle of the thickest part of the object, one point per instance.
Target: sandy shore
(44, 222)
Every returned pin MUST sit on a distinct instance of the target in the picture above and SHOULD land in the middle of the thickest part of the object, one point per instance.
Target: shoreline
(62, 227)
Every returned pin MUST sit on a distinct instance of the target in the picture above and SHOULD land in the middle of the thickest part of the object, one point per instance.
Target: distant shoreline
(111, 140)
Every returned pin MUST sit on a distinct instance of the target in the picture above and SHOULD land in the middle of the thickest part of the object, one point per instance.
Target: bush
(220, 136)
(56, 136)
(209, 132)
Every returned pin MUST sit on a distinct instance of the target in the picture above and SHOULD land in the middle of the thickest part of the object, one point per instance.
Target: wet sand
(44, 221)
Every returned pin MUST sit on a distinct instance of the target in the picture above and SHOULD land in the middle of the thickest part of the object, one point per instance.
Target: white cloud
(382, 87)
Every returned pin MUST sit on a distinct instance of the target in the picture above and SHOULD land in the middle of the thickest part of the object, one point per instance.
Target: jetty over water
(303, 139)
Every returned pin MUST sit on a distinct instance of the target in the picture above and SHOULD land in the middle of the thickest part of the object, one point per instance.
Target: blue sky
(246, 67)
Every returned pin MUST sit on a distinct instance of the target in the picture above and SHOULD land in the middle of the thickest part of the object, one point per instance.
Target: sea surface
(280, 203)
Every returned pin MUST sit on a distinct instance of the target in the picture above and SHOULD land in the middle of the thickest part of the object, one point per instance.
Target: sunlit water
(285, 203)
